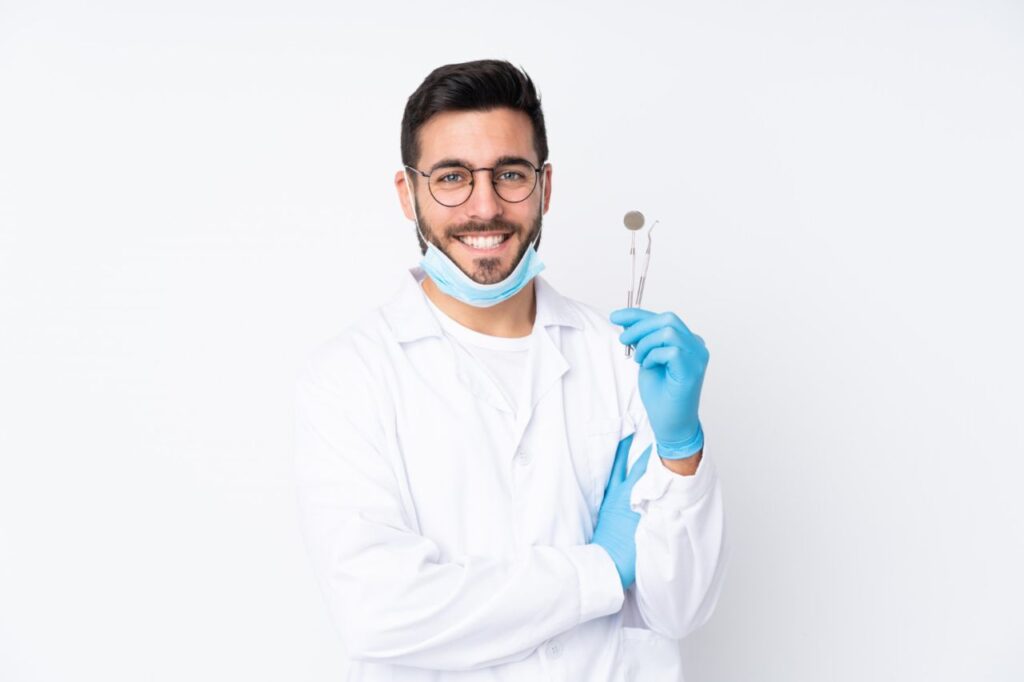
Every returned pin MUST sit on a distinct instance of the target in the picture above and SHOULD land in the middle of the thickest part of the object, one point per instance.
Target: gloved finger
(664, 355)
(650, 323)
(627, 316)
(663, 336)
(618, 473)
(680, 366)
(638, 330)
(639, 467)
(670, 336)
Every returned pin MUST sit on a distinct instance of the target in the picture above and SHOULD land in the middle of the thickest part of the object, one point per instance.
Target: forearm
(478, 612)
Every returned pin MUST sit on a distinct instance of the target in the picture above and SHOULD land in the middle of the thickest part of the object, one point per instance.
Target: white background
(194, 194)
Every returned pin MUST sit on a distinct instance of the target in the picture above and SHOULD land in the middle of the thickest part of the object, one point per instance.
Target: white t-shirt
(503, 358)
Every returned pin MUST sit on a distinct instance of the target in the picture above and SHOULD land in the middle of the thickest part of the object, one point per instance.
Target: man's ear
(546, 171)
(403, 195)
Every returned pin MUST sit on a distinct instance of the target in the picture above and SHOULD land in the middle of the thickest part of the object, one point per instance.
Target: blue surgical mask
(450, 279)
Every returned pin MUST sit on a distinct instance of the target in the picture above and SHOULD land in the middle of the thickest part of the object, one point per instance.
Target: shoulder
(595, 335)
(554, 307)
(596, 319)
(593, 323)
(349, 355)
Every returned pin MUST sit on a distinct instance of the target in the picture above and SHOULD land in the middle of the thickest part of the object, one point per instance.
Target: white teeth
(483, 242)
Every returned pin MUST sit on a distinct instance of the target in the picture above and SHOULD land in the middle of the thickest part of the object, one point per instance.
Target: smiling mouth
(484, 242)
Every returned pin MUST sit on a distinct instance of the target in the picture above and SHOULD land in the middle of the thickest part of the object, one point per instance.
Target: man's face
(477, 139)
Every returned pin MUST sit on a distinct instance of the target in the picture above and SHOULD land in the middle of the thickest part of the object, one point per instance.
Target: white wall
(193, 194)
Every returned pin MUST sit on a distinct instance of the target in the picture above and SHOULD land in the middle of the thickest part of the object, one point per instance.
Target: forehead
(477, 137)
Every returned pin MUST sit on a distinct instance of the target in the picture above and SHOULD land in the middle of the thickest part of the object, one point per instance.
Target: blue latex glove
(672, 364)
(616, 522)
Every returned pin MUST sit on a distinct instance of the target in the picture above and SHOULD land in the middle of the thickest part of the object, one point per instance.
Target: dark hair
(472, 86)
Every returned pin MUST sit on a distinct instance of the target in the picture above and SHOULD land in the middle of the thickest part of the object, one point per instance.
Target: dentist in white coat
(490, 489)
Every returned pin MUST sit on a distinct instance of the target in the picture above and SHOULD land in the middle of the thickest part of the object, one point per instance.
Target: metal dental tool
(634, 220)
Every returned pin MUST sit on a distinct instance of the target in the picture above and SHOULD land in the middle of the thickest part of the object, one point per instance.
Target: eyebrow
(444, 163)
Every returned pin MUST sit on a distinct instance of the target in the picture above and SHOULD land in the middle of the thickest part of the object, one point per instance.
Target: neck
(512, 318)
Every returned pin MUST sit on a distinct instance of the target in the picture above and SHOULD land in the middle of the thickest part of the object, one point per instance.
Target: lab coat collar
(410, 318)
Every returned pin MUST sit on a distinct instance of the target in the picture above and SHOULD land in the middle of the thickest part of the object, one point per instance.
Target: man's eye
(513, 175)
(451, 177)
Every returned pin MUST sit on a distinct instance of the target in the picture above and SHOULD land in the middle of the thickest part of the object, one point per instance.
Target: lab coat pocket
(603, 436)
(648, 656)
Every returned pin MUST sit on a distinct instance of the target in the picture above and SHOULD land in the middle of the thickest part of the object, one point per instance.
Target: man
(490, 488)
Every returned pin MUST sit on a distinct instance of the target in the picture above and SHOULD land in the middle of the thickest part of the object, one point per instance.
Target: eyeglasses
(452, 185)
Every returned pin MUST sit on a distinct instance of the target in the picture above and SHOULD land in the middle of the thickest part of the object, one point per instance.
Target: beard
(485, 270)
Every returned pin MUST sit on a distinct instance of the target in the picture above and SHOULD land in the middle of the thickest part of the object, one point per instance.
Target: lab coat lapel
(410, 318)
(547, 364)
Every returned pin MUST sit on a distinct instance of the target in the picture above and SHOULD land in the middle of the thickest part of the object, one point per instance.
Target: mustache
(496, 225)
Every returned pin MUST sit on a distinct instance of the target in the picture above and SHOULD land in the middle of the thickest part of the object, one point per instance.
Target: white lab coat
(449, 534)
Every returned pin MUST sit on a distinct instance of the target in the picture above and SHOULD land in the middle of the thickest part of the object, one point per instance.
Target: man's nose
(484, 203)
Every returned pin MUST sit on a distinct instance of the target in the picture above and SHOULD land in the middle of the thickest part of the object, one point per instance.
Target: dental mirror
(634, 220)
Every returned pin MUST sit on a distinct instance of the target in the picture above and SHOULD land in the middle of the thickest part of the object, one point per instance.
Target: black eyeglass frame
(472, 183)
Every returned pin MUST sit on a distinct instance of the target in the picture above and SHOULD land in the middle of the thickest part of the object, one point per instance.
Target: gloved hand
(616, 522)
(672, 363)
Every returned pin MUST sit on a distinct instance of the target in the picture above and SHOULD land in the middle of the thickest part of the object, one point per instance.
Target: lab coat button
(522, 457)
(554, 648)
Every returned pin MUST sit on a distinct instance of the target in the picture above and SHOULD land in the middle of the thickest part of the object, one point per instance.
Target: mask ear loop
(412, 202)
(541, 217)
